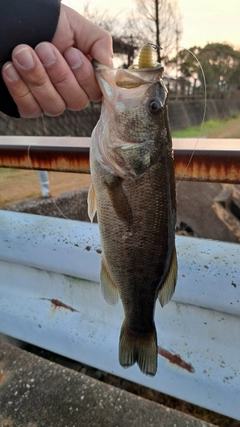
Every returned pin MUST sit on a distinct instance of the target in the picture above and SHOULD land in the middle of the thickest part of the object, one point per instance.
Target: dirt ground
(18, 185)
(228, 129)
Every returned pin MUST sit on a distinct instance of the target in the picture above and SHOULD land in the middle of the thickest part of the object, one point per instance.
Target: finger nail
(73, 57)
(46, 54)
(11, 73)
(24, 58)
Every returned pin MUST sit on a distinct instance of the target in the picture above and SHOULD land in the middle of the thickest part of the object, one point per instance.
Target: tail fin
(138, 348)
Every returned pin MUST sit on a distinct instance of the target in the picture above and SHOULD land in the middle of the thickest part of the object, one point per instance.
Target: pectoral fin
(119, 200)
(108, 287)
(92, 203)
(167, 290)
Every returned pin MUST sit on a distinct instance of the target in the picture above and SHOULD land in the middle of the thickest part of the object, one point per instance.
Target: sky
(203, 21)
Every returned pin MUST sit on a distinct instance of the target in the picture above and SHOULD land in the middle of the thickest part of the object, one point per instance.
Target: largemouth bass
(133, 192)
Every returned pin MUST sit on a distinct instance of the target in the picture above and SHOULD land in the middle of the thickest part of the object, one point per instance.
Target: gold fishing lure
(146, 59)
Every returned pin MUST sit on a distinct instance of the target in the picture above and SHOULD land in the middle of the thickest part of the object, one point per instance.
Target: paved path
(37, 393)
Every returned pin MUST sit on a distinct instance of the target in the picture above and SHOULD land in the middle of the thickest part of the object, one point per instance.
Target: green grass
(4, 170)
(194, 131)
(228, 127)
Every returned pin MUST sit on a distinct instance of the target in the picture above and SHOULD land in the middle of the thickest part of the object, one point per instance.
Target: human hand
(58, 75)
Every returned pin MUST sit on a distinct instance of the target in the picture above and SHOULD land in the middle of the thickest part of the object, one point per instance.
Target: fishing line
(146, 60)
(28, 152)
(50, 196)
(204, 112)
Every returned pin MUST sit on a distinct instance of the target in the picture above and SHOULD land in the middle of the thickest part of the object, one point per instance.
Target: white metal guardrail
(50, 296)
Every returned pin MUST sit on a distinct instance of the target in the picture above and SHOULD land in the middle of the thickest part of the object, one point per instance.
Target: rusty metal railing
(209, 160)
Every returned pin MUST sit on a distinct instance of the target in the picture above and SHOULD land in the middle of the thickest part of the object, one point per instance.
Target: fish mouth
(127, 78)
(98, 67)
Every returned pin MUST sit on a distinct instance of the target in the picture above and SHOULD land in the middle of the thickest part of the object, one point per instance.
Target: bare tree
(125, 32)
(100, 17)
(161, 19)
(154, 21)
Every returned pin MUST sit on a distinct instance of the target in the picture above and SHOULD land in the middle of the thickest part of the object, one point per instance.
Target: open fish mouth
(126, 78)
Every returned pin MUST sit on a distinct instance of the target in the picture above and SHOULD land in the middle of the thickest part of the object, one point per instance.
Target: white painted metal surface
(208, 144)
(44, 261)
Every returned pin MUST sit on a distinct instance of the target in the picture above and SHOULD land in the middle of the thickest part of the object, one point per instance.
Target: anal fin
(138, 348)
(108, 287)
(92, 203)
(167, 290)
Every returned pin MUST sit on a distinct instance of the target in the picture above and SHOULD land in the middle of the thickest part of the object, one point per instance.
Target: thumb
(75, 30)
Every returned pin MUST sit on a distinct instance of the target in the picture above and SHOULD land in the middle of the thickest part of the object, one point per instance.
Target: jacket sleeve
(28, 22)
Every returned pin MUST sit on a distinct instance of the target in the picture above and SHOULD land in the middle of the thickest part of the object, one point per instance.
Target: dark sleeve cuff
(29, 22)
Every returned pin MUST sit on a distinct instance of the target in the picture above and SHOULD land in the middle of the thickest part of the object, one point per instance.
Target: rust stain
(3, 376)
(175, 359)
(65, 159)
(59, 304)
(206, 165)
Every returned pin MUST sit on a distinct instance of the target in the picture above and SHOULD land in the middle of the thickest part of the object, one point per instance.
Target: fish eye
(155, 106)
